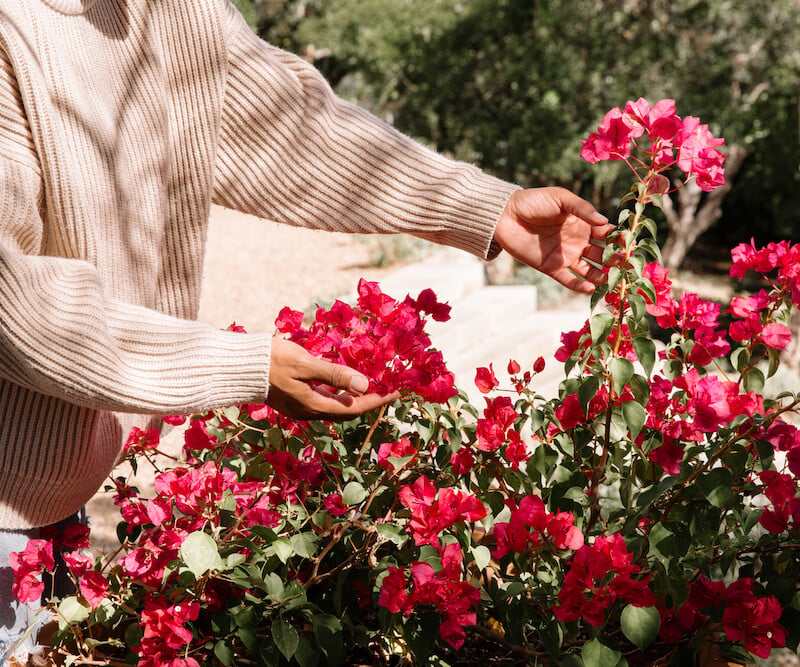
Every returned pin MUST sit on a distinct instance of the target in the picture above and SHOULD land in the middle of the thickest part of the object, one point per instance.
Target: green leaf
(482, 557)
(635, 417)
(637, 265)
(602, 289)
(72, 610)
(621, 371)
(425, 429)
(649, 223)
(715, 485)
(304, 544)
(326, 623)
(200, 554)
(595, 654)
(393, 533)
(285, 637)
(224, 652)
(651, 248)
(283, 549)
(661, 543)
(353, 493)
(645, 352)
(638, 306)
(274, 585)
(600, 325)
(754, 380)
(614, 276)
(234, 560)
(774, 361)
(587, 391)
(307, 654)
(640, 625)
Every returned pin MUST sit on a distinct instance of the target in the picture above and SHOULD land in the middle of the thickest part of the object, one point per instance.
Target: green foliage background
(514, 85)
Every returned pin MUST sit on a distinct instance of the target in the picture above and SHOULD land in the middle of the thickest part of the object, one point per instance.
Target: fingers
(579, 207)
(295, 376)
(580, 280)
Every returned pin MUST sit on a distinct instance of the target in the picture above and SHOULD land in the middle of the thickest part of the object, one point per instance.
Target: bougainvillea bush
(647, 514)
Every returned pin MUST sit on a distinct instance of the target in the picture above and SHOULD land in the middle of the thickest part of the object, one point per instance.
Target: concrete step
(523, 339)
(483, 314)
(450, 273)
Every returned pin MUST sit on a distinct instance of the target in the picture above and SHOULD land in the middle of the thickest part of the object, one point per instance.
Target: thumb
(342, 377)
(579, 207)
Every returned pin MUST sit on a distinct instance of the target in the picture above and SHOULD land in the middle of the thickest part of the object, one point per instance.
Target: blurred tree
(515, 84)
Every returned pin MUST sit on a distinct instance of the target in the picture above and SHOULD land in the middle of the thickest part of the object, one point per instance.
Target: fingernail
(359, 384)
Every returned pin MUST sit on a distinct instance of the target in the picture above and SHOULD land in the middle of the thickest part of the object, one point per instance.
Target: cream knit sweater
(121, 121)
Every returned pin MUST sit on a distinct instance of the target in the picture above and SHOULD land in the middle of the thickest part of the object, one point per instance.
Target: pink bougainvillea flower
(333, 503)
(288, 320)
(393, 592)
(140, 441)
(93, 587)
(174, 420)
(28, 566)
(485, 379)
(776, 335)
(398, 449)
(197, 437)
(430, 515)
(165, 623)
(427, 302)
(493, 428)
(601, 573)
(753, 620)
(444, 590)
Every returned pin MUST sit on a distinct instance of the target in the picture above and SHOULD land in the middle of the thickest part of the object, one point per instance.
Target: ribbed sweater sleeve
(293, 152)
(60, 335)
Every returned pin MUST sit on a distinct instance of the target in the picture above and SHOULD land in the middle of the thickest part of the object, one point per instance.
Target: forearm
(291, 151)
(60, 336)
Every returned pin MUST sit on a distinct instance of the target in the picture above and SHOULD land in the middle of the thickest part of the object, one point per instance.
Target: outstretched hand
(300, 386)
(556, 232)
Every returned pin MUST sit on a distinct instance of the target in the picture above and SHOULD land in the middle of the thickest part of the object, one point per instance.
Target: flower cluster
(445, 590)
(651, 505)
(685, 142)
(383, 338)
(601, 573)
(432, 513)
(531, 524)
(67, 548)
(743, 615)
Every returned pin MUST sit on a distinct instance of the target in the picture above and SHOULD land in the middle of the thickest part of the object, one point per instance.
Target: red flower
(485, 379)
(333, 503)
(93, 586)
(601, 573)
(28, 565)
(431, 515)
(394, 450)
(141, 441)
(753, 620)
(163, 623)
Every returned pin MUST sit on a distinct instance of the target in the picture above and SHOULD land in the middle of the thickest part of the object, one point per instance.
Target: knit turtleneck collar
(71, 7)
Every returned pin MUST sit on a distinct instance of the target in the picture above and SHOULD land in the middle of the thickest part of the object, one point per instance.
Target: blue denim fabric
(17, 618)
